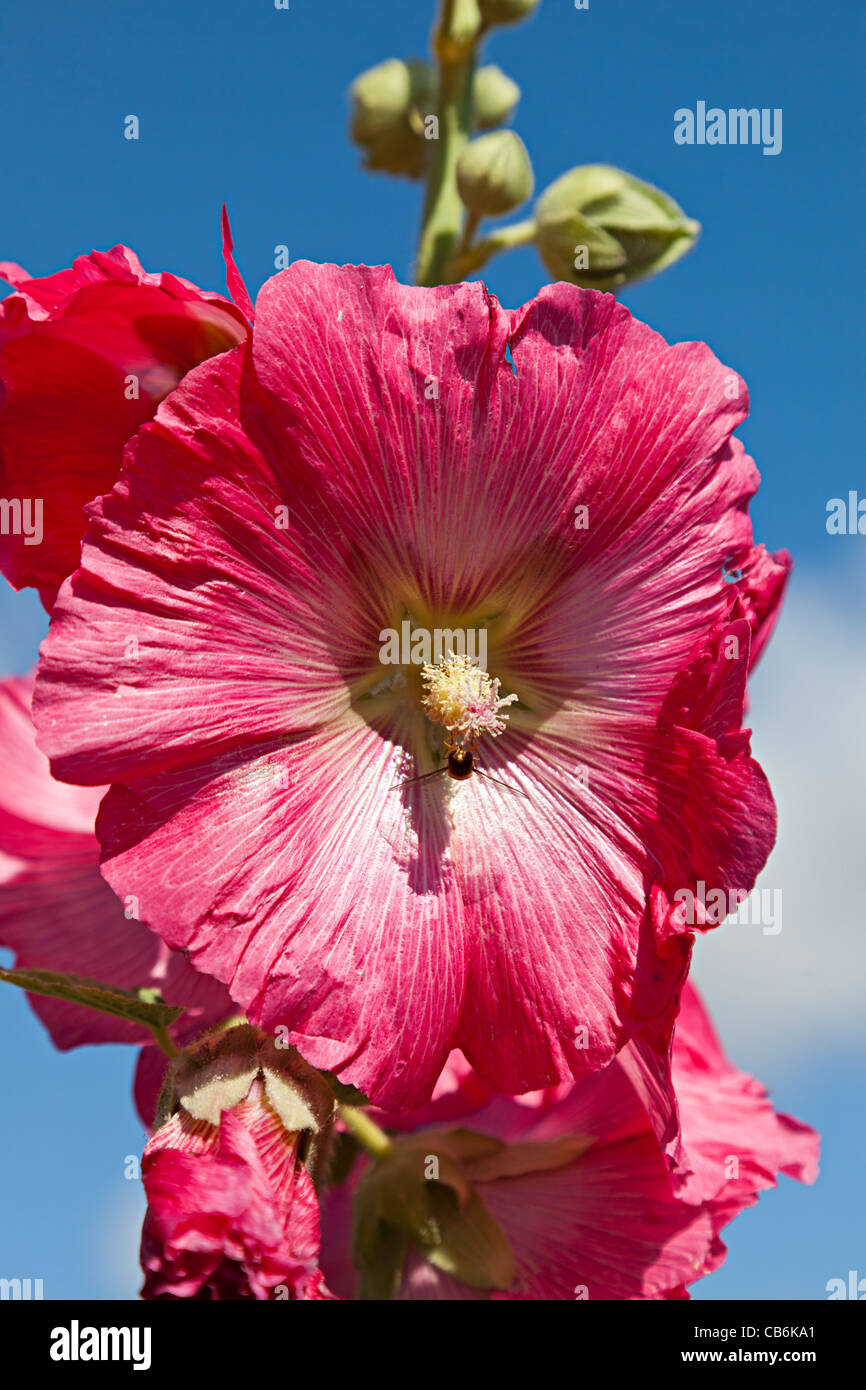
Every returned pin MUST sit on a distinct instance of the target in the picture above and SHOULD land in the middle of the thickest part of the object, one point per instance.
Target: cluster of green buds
(395, 118)
(595, 226)
(390, 105)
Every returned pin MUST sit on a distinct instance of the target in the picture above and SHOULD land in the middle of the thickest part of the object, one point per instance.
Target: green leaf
(137, 1006)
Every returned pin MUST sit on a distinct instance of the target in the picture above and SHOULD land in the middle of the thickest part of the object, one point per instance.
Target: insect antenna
(437, 772)
(508, 788)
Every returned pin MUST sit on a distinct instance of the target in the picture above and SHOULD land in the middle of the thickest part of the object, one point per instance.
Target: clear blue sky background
(244, 103)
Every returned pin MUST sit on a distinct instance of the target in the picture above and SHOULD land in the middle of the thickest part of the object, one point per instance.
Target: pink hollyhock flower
(582, 1191)
(57, 913)
(86, 356)
(371, 462)
(232, 1211)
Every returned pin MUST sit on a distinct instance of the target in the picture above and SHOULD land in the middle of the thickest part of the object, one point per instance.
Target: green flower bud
(458, 35)
(506, 11)
(600, 227)
(494, 96)
(389, 104)
(494, 173)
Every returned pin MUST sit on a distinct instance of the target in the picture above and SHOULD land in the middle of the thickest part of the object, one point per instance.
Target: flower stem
(165, 1042)
(473, 221)
(368, 1134)
(467, 259)
(454, 43)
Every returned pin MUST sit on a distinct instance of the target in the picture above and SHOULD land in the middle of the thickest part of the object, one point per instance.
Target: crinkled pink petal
(56, 911)
(587, 858)
(362, 935)
(232, 1213)
(761, 591)
(14, 274)
(736, 1143)
(607, 1224)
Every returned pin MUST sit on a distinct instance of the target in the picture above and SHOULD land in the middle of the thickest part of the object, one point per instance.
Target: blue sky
(246, 104)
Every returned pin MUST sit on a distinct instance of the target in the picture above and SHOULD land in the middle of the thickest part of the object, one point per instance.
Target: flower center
(464, 699)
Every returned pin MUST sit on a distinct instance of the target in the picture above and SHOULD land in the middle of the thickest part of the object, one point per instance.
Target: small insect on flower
(462, 763)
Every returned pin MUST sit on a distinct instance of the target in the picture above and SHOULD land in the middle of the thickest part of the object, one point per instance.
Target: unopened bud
(494, 96)
(494, 173)
(600, 227)
(389, 104)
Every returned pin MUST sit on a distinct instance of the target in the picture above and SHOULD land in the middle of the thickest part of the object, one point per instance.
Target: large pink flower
(86, 356)
(373, 458)
(57, 913)
(612, 1222)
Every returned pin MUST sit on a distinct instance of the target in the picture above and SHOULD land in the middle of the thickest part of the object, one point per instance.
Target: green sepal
(471, 1245)
(346, 1094)
(382, 1272)
(443, 1217)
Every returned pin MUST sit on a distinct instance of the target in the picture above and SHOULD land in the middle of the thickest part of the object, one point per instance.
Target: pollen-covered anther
(463, 698)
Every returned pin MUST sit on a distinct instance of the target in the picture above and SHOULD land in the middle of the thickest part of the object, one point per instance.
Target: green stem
(454, 43)
(368, 1134)
(470, 258)
(473, 222)
(165, 1042)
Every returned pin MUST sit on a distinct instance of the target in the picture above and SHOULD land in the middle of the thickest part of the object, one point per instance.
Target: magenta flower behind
(112, 341)
(394, 702)
(575, 1180)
